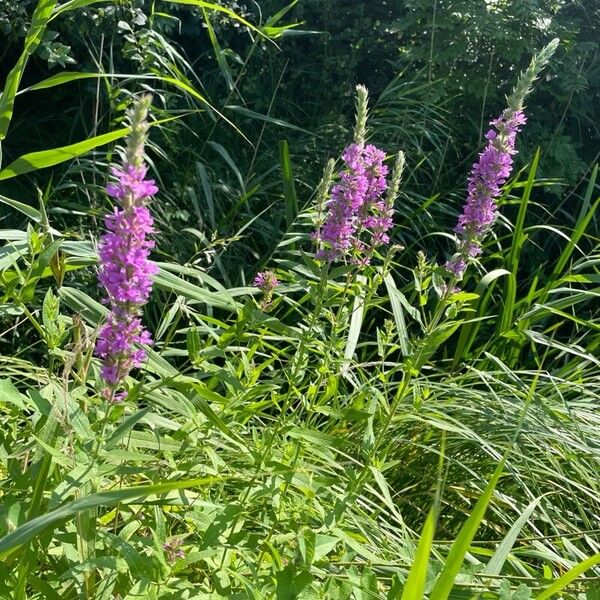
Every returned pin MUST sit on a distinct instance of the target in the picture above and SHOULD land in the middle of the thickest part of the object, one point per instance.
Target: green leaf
(39, 266)
(324, 544)
(193, 344)
(497, 561)
(10, 395)
(414, 587)
(306, 545)
(198, 394)
(569, 577)
(570, 348)
(27, 531)
(431, 342)
(356, 321)
(112, 563)
(221, 60)
(577, 234)
(48, 158)
(218, 7)
(586, 215)
(90, 310)
(242, 110)
(61, 79)
(274, 19)
(289, 188)
(32, 213)
(518, 240)
(74, 5)
(126, 426)
(291, 583)
(395, 296)
(39, 20)
(469, 330)
(231, 163)
(460, 547)
(181, 287)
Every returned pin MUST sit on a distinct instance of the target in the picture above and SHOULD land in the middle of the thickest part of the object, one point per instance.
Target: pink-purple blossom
(358, 217)
(117, 343)
(173, 549)
(126, 272)
(131, 181)
(487, 177)
(125, 269)
(266, 281)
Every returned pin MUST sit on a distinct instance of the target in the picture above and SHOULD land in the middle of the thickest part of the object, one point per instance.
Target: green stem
(33, 321)
(282, 420)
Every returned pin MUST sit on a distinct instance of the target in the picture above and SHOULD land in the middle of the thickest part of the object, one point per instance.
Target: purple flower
(125, 271)
(116, 345)
(131, 182)
(358, 217)
(266, 281)
(173, 549)
(487, 177)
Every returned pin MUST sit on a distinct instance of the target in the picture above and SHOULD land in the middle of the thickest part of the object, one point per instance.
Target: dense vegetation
(323, 413)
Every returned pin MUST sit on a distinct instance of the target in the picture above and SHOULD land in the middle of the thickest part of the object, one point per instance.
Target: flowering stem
(493, 168)
(125, 271)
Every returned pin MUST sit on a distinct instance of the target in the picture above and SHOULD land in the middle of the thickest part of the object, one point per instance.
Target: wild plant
(309, 436)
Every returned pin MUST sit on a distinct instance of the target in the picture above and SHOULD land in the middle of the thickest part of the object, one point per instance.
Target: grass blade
(289, 188)
(218, 51)
(469, 330)
(519, 237)
(398, 312)
(218, 7)
(26, 532)
(497, 561)
(414, 587)
(48, 158)
(460, 547)
(356, 321)
(39, 21)
(569, 577)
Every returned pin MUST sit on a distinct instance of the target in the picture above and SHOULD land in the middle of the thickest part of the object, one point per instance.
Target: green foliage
(368, 433)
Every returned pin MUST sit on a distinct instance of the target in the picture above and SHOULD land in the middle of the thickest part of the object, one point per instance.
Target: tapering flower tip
(362, 114)
(324, 185)
(396, 177)
(526, 79)
(138, 117)
(266, 281)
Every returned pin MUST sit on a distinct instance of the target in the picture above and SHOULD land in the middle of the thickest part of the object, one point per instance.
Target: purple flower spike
(125, 271)
(357, 208)
(488, 176)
